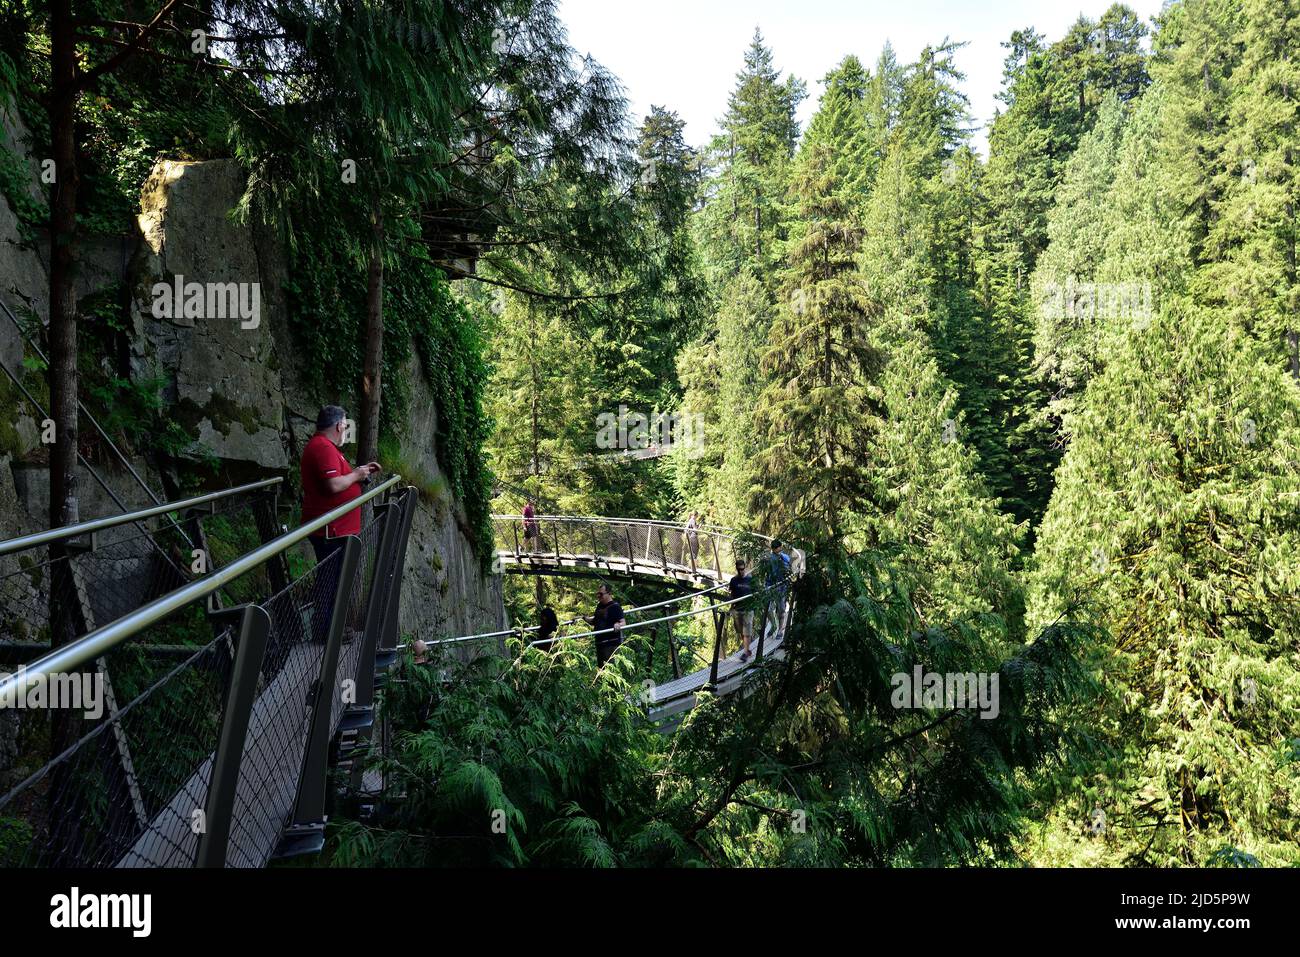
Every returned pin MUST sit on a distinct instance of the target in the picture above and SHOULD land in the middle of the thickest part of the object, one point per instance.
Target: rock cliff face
(223, 374)
(235, 384)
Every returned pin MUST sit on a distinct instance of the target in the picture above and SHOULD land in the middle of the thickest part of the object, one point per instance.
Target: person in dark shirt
(778, 584)
(608, 622)
(548, 625)
(742, 613)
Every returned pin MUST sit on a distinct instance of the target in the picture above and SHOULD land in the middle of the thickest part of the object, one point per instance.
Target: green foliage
(957, 547)
(426, 328)
(859, 314)
(1175, 516)
(1054, 95)
(1175, 509)
(538, 762)
(750, 157)
(16, 837)
(542, 761)
(818, 409)
(721, 377)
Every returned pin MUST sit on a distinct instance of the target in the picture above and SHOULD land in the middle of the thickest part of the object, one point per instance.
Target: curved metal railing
(94, 526)
(59, 584)
(655, 549)
(222, 758)
(646, 547)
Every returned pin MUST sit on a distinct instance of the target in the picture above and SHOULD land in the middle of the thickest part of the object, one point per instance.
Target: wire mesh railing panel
(55, 593)
(278, 728)
(117, 755)
(505, 531)
(677, 546)
(657, 548)
(650, 544)
(635, 534)
(577, 540)
(125, 749)
(607, 540)
(26, 582)
(353, 630)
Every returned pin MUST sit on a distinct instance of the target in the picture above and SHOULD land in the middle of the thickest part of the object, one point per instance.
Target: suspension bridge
(231, 683)
(699, 561)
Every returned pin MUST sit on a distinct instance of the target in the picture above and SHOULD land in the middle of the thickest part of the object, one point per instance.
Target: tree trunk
(65, 807)
(373, 367)
(63, 257)
(539, 592)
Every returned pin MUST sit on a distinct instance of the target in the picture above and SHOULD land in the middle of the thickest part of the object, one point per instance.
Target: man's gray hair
(329, 416)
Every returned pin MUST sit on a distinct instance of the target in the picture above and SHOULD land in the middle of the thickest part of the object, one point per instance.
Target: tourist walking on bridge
(778, 585)
(328, 481)
(608, 623)
(742, 613)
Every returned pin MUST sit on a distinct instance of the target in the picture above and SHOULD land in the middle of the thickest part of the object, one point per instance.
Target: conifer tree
(1175, 516)
(724, 380)
(932, 511)
(1053, 95)
(1066, 307)
(1252, 241)
(883, 97)
(545, 414)
(955, 548)
(750, 161)
(819, 408)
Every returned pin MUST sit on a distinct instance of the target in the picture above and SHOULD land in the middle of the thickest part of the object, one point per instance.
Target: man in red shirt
(328, 481)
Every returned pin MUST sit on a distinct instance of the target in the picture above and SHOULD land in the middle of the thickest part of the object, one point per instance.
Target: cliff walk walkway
(214, 688)
(698, 561)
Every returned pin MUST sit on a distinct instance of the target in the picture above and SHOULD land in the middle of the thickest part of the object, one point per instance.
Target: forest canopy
(1032, 413)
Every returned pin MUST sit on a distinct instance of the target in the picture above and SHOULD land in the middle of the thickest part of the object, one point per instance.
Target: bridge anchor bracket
(300, 839)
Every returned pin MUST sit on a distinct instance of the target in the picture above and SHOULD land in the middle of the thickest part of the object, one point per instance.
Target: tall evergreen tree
(1067, 323)
(740, 232)
(1175, 517)
(882, 100)
(726, 395)
(818, 410)
(1252, 241)
(750, 160)
(1053, 95)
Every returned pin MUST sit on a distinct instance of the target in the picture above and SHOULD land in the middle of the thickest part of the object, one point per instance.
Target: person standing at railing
(693, 536)
(608, 623)
(547, 625)
(778, 584)
(530, 524)
(328, 481)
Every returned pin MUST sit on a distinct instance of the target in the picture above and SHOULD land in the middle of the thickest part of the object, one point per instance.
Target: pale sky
(684, 54)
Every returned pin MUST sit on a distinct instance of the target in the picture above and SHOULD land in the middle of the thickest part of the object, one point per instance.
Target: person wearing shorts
(742, 613)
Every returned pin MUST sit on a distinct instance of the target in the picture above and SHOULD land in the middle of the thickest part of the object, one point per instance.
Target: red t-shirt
(322, 460)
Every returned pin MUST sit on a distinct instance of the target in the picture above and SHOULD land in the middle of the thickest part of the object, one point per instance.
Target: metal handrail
(80, 405)
(98, 642)
(659, 621)
(721, 530)
(25, 542)
(690, 596)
